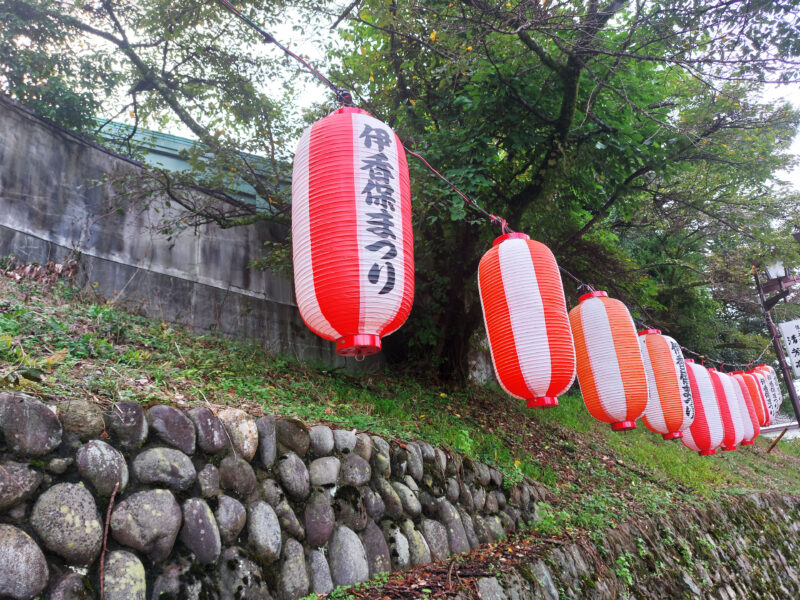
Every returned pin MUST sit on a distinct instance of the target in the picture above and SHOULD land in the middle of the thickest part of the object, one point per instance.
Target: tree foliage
(628, 135)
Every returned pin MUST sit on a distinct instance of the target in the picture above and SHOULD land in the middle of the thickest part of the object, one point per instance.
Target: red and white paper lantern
(751, 426)
(670, 408)
(609, 362)
(525, 314)
(351, 231)
(732, 423)
(757, 396)
(705, 434)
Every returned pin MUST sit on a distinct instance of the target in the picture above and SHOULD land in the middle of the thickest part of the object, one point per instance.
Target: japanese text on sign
(791, 338)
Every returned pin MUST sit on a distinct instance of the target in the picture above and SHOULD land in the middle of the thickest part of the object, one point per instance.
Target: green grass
(61, 343)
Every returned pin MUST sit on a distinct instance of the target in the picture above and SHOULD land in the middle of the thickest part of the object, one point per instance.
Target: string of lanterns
(353, 259)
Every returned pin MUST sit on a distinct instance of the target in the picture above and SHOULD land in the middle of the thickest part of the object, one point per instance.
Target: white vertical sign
(791, 338)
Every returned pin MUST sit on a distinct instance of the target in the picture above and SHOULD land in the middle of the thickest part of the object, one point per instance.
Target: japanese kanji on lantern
(351, 231)
(670, 408)
(767, 394)
(732, 423)
(775, 397)
(705, 433)
(751, 426)
(609, 362)
(525, 314)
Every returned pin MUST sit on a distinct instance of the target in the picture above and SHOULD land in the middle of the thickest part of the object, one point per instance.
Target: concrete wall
(52, 205)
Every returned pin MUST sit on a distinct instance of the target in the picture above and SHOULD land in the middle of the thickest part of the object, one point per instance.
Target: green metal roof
(167, 151)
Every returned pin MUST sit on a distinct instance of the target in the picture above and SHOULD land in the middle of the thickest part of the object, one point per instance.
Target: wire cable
(345, 97)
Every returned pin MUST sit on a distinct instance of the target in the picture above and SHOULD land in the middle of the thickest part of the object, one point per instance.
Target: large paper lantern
(775, 387)
(751, 426)
(766, 390)
(351, 231)
(526, 320)
(670, 409)
(609, 362)
(757, 395)
(705, 433)
(732, 423)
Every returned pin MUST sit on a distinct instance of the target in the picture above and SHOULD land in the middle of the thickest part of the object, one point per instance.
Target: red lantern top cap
(350, 109)
(511, 236)
(648, 331)
(711, 368)
(595, 294)
(690, 360)
(737, 372)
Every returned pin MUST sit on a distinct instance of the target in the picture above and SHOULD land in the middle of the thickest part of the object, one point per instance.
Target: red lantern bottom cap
(358, 345)
(542, 402)
(750, 443)
(674, 435)
(623, 426)
(708, 452)
(729, 448)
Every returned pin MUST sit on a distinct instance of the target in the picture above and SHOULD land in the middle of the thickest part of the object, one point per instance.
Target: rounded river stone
(231, 518)
(23, 569)
(344, 441)
(241, 429)
(166, 466)
(293, 475)
(267, 440)
(355, 471)
(103, 466)
(29, 427)
(129, 424)
(82, 418)
(319, 519)
(124, 577)
(324, 471)
(236, 475)
(199, 532)
(348, 560)
(147, 521)
(293, 434)
(293, 582)
(321, 440)
(264, 531)
(70, 586)
(17, 483)
(211, 435)
(173, 427)
(67, 521)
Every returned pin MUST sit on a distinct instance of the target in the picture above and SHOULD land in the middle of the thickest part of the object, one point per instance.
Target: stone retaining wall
(741, 548)
(224, 506)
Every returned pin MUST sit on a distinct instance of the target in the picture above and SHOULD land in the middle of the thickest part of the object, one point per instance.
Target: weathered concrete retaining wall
(52, 206)
(226, 504)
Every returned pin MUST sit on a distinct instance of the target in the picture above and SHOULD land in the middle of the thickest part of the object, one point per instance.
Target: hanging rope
(345, 98)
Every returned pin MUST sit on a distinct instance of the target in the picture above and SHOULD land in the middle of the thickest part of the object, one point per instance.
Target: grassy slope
(93, 350)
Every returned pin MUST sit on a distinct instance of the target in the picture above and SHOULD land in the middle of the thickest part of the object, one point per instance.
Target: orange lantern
(670, 409)
(526, 320)
(766, 394)
(610, 369)
(752, 429)
(757, 396)
(705, 433)
(352, 243)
